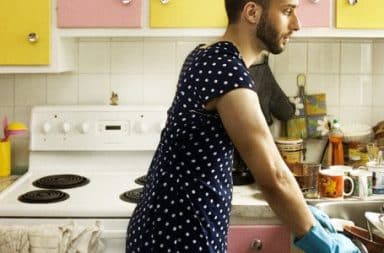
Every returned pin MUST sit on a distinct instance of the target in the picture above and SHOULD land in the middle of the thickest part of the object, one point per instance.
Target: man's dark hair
(234, 8)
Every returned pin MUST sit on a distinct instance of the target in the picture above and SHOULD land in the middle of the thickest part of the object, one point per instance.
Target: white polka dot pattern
(186, 203)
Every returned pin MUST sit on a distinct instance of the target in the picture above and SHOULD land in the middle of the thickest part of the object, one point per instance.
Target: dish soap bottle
(336, 152)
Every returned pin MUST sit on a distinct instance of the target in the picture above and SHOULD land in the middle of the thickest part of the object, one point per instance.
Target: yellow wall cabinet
(359, 14)
(28, 44)
(187, 13)
(25, 30)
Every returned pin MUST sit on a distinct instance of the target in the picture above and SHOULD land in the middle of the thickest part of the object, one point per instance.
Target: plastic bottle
(336, 152)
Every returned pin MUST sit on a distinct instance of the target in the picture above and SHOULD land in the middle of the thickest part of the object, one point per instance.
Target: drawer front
(258, 238)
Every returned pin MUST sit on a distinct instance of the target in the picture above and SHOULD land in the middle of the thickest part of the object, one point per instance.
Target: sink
(351, 210)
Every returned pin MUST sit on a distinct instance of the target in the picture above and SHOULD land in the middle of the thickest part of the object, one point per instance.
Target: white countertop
(248, 203)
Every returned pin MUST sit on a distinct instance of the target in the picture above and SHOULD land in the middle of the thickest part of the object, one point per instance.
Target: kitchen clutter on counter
(351, 164)
(9, 129)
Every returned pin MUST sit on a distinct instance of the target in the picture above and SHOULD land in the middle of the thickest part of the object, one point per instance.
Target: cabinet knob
(256, 244)
(33, 37)
(164, 1)
(126, 2)
(352, 2)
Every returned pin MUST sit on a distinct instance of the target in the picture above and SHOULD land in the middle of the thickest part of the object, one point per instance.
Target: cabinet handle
(33, 37)
(164, 1)
(352, 2)
(315, 1)
(256, 244)
(126, 2)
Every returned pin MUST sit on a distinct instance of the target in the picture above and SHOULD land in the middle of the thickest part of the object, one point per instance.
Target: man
(185, 206)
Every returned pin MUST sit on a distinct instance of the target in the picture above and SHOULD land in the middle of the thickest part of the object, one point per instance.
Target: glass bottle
(336, 152)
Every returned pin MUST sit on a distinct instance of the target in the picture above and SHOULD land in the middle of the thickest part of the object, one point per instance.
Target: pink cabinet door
(314, 14)
(258, 238)
(98, 13)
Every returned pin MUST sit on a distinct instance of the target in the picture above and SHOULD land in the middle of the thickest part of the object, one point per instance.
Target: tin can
(291, 149)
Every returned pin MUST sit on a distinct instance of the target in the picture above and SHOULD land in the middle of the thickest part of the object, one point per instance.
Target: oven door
(113, 230)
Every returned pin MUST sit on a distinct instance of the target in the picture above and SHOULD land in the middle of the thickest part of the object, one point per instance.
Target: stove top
(132, 196)
(141, 180)
(43, 196)
(62, 181)
(99, 198)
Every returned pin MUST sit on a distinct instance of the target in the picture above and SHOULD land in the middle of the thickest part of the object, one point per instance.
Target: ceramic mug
(331, 184)
(377, 178)
(347, 172)
(362, 180)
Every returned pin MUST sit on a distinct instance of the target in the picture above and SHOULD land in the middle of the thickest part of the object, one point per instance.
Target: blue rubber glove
(322, 218)
(317, 240)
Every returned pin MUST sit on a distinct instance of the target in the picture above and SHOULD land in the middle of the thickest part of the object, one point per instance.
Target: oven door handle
(113, 234)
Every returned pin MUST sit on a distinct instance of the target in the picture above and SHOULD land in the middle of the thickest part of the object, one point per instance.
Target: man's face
(277, 22)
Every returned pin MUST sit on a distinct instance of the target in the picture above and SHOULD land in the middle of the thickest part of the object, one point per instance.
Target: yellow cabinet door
(363, 14)
(25, 32)
(187, 13)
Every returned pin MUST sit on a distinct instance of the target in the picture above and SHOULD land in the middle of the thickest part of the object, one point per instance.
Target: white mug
(378, 177)
(362, 180)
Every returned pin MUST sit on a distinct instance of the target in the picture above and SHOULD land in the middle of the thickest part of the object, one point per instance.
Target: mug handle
(352, 188)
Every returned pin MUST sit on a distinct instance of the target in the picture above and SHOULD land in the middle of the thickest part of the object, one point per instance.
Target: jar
(291, 149)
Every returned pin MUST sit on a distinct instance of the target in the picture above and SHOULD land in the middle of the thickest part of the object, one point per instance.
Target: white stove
(111, 146)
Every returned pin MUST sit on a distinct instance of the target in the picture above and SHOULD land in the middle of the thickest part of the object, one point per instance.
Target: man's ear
(251, 12)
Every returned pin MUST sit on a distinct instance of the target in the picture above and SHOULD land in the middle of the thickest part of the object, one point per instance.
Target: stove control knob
(66, 127)
(46, 127)
(84, 128)
(141, 128)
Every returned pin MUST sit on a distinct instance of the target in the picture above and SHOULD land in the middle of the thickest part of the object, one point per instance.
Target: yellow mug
(5, 158)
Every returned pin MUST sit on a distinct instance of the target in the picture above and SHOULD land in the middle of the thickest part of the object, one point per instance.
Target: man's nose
(295, 23)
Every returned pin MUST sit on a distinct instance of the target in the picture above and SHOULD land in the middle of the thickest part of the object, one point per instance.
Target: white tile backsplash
(325, 83)
(62, 89)
(324, 57)
(94, 57)
(355, 115)
(355, 90)
(94, 89)
(159, 88)
(159, 56)
(378, 90)
(145, 71)
(30, 90)
(127, 57)
(378, 59)
(356, 58)
(7, 87)
(292, 60)
(128, 87)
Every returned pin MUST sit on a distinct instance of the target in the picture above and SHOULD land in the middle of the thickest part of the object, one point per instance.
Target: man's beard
(267, 33)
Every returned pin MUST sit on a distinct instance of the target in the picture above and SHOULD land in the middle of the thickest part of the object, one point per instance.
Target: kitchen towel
(80, 239)
(309, 119)
(50, 238)
(13, 239)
